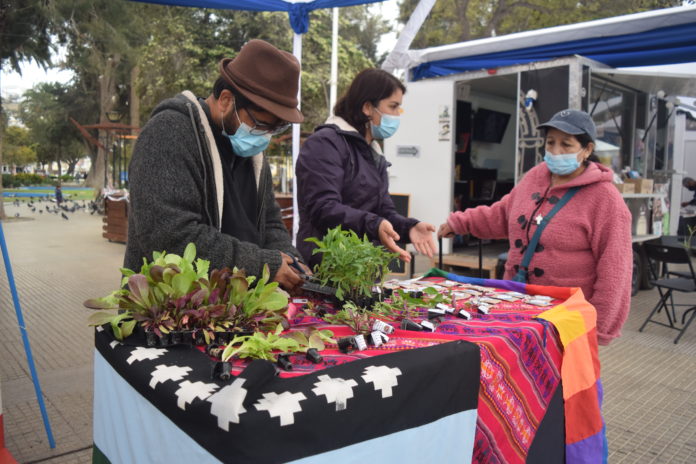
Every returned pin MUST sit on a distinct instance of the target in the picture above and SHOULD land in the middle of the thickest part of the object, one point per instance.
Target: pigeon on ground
(64, 216)
(33, 210)
(40, 211)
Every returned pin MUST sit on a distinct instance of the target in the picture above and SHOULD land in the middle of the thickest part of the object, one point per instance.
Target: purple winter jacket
(339, 182)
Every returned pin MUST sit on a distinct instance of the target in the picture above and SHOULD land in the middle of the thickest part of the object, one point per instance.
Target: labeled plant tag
(427, 325)
(300, 300)
(484, 309)
(464, 314)
(488, 300)
(435, 312)
(378, 338)
(537, 302)
(505, 297)
(382, 327)
(360, 342)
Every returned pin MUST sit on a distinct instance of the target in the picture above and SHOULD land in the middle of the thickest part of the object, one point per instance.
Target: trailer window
(613, 109)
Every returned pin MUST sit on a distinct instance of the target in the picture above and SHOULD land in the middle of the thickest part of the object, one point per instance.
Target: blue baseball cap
(572, 122)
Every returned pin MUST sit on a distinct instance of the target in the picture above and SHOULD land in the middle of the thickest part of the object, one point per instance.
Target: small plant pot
(177, 337)
(199, 338)
(151, 338)
(222, 338)
(187, 337)
(164, 340)
(221, 371)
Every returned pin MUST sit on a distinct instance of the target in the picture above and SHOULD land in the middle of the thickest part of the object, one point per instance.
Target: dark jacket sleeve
(402, 225)
(320, 175)
(168, 200)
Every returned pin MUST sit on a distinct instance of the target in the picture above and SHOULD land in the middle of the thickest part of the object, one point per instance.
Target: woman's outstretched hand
(388, 237)
(421, 236)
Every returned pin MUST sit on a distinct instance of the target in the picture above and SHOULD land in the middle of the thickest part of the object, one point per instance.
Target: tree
(46, 112)
(452, 21)
(25, 34)
(193, 41)
(18, 148)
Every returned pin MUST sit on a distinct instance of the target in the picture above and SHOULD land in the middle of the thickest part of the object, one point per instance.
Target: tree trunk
(134, 100)
(2, 126)
(107, 95)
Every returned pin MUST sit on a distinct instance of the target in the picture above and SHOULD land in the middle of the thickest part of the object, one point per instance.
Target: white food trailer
(468, 131)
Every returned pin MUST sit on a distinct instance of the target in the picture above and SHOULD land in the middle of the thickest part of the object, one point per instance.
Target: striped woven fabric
(575, 321)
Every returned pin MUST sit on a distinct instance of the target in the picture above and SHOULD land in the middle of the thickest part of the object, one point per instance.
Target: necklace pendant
(538, 219)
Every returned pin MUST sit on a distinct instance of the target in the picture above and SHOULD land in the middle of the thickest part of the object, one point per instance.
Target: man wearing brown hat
(198, 173)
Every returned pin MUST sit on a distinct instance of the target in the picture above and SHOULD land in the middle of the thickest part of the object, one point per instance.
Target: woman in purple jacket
(342, 175)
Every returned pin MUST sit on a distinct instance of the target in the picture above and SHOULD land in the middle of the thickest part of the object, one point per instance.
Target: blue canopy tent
(656, 37)
(298, 12)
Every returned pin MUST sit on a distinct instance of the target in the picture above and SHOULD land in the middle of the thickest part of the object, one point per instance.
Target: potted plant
(175, 293)
(352, 265)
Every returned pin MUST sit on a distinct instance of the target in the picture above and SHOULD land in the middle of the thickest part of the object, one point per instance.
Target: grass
(68, 193)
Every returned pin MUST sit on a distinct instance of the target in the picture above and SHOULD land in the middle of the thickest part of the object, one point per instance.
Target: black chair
(661, 253)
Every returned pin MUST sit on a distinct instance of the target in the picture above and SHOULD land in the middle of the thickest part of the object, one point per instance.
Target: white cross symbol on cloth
(538, 219)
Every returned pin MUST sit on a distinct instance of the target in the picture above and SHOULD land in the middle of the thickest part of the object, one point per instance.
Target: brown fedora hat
(268, 77)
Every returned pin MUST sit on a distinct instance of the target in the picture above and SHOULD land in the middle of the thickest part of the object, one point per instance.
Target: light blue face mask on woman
(244, 143)
(387, 126)
(562, 164)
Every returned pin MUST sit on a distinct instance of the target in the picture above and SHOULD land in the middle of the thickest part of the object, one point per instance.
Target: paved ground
(650, 383)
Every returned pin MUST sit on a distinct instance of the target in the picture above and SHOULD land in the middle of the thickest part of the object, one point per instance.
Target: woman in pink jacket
(585, 243)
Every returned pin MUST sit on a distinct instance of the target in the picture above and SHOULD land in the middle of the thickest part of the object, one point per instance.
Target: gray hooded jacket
(176, 195)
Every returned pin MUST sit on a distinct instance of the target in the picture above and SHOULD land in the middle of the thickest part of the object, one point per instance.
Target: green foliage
(263, 346)
(46, 112)
(175, 292)
(452, 21)
(18, 148)
(402, 305)
(350, 264)
(25, 33)
(22, 179)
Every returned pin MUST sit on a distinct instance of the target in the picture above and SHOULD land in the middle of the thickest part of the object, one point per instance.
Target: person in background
(59, 194)
(687, 222)
(342, 175)
(586, 244)
(689, 184)
(198, 173)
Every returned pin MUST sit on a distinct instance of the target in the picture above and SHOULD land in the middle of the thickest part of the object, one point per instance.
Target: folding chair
(661, 253)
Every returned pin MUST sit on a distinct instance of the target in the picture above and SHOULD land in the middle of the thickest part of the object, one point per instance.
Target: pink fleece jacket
(586, 244)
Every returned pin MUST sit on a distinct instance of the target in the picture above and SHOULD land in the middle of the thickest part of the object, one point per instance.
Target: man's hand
(388, 237)
(288, 277)
(421, 236)
(445, 231)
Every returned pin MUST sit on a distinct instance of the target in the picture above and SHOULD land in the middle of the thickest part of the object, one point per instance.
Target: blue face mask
(387, 126)
(563, 164)
(244, 143)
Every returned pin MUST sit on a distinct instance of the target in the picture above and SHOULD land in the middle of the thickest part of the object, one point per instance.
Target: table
(492, 394)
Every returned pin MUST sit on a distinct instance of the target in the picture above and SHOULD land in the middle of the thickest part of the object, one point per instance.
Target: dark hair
(585, 140)
(240, 100)
(370, 85)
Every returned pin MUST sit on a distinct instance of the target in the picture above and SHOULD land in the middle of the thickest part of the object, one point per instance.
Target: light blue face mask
(244, 143)
(387, 126)
(562, 164)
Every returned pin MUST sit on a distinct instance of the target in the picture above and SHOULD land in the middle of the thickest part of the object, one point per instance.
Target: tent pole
(334, 62)
(25, 338)
(297, 51)
(398, 57)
